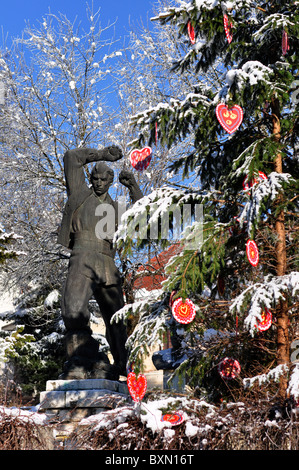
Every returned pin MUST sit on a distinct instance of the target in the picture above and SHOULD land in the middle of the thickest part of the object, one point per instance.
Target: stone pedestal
(66, 402)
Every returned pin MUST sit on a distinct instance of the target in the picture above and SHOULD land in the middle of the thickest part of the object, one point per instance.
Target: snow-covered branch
(152, 317)
(259, 296)
(262, 192)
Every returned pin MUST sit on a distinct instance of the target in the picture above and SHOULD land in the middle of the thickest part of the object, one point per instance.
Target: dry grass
(17, 433)
(232, 427)
(250, 422)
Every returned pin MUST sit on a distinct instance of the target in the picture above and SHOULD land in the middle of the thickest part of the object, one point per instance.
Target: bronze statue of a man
(92, 270)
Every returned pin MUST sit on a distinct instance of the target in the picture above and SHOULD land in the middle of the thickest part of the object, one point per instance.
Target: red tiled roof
(154, 273)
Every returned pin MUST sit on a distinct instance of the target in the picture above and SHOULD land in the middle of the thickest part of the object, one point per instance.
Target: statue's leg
(81, 347)
(84, 360)
(110, 300)
(77, 293)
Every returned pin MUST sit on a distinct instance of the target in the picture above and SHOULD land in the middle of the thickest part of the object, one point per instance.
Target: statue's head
(101, 178)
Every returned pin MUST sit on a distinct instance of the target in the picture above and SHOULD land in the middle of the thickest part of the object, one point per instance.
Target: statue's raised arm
(127, 179)
(74, 161)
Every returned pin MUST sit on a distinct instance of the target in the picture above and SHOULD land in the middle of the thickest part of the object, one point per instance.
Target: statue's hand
(114, 153)
(127, 178)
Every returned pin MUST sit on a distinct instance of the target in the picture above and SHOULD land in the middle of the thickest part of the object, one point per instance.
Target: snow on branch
(148, 212)
(260, 193)
(6, 238)
(272, 22)
(198, 6)
(170, 114)
(264, 295)
(153, 316)
(249, 154)
(251, 72)
(273, 374)
(174, 12)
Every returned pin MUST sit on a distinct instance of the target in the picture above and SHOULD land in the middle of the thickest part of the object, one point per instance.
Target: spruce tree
(248, 180)
(7, 248)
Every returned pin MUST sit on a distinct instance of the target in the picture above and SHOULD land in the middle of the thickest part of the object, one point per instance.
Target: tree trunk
(283, 347)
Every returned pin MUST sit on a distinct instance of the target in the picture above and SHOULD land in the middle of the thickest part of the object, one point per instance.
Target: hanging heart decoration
(136, 386)
(173, 418)
(285, 43)
(266, 321)
(140, 159)
(191, 32)
(229, 368)
(252, 252)
(229, 118)
(183, 311)
(228, 28)
(259, 177)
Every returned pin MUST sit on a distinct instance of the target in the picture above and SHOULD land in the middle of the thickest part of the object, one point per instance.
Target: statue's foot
(102, 370)
(80, 368)
(73, 373)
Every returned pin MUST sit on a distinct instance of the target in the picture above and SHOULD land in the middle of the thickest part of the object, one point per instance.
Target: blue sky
(14, 13)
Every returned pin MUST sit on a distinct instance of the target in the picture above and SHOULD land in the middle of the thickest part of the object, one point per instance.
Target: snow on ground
(6, 303)
(31, 415)
(150, 414)
(232, 425)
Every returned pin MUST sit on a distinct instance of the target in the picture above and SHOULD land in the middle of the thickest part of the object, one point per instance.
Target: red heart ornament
(228, 29)
(140, 159)
(252, 252)
(191, 32)
(285, 43)
(173, 418)
(266, 321)
(136, 386)
(257, 178)
(229, 118)
(229, 368)
(183, 312)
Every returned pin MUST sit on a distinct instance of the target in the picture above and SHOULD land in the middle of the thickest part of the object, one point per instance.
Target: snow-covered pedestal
(66, 402)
